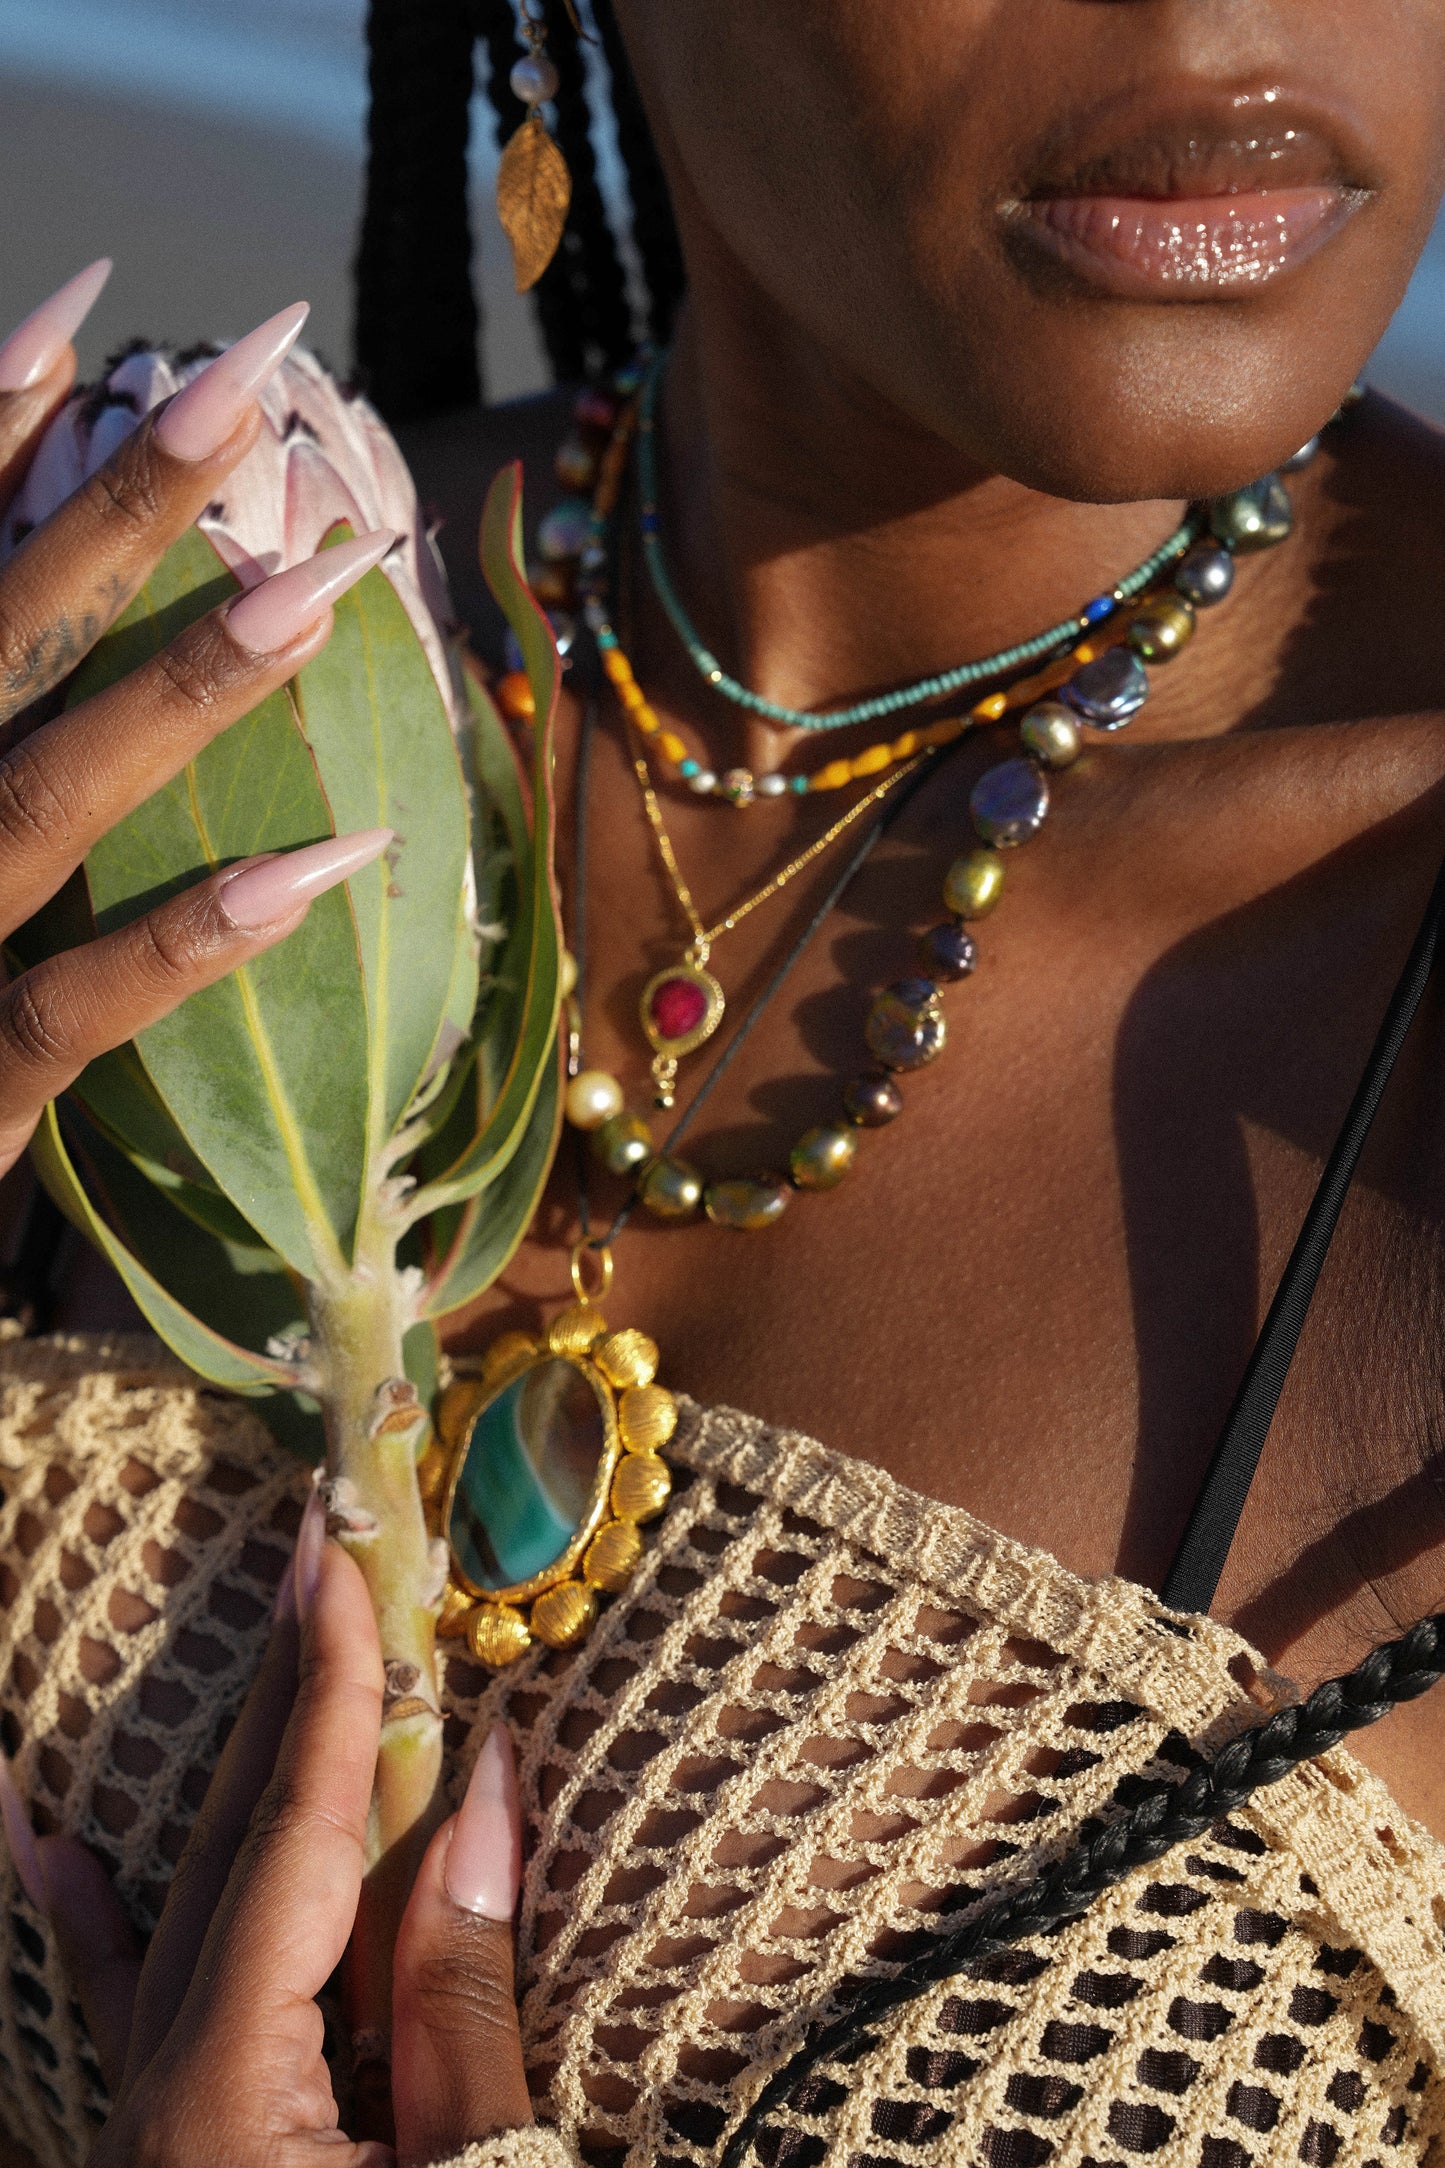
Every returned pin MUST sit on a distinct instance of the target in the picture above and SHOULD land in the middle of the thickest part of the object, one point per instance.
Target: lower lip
(1202, 245)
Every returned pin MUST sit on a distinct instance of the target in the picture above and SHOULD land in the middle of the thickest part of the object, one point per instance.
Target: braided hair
(416, 309)
(1157, 1816)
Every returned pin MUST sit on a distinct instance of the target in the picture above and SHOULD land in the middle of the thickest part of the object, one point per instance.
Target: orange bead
(616, 665)
(645, 720)
(671, 747)
(908, 743)
(514, 697)
(989, 710)
(876, 757)
(833, 777)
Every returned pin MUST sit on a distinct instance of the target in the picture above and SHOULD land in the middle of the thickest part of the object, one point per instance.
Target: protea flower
(306, 1165)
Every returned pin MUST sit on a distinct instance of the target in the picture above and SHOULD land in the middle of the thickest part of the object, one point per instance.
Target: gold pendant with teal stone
(546, 1467)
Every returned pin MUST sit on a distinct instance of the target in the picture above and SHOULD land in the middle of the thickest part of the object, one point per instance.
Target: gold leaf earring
(534, 187)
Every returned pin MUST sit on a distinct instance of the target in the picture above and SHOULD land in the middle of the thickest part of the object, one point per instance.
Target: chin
(1110, 400)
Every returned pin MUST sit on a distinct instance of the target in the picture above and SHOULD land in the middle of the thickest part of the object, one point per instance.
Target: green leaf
(539, 961)
(266, 1072)
(486, 1233)
(378, 728)
(208, 1352)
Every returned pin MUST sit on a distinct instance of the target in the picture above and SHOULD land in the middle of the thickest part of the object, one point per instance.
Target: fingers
(288, 1905)
(66, 785)
(97, 1945)
(240, 1777)
(457, 2072)
(37, 368)
(73, 576)
(66, 1011)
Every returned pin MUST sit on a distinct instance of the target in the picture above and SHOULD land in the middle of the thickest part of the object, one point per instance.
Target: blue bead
(689, 768)
(798, 783)
(1102, 606)
(1107, 691)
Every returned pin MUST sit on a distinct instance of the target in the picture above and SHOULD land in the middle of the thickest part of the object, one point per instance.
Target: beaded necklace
(1099, 688)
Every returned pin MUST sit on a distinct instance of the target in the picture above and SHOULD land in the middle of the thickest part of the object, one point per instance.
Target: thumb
(97, 1945)
(457, 2072)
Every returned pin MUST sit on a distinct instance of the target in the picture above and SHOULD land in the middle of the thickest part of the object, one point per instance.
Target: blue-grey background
(213, 147)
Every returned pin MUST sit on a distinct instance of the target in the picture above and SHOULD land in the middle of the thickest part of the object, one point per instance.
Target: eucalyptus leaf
(379, 733)
(265, 1073)
(208, 1352)
(540, 959)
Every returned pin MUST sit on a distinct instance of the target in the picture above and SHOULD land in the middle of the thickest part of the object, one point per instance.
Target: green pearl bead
(1050, 732)
(974, 884)
(1253, 519)
(623, 1144)
(821, 1157)
(1162, 629)
(745, 1204)
(671, 1189)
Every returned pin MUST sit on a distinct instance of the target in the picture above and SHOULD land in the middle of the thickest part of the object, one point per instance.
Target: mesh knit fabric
(827, 1717)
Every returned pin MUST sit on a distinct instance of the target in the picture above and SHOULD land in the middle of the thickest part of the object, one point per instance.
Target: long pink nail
(34, 347)
(264, 890)
(277, 612)
(199, 419)
(21, 1839)
(310, 1543)
(484, 1859)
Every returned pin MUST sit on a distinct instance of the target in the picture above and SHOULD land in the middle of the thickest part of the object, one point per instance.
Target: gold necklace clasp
(602, 1256)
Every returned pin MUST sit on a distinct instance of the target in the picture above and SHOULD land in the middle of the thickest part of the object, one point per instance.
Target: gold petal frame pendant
(544, 1469)
(534, 195)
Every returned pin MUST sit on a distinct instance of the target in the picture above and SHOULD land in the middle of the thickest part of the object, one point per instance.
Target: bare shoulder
(453, 459)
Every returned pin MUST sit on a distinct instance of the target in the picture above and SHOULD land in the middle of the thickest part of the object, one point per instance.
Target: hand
(64, 782)
(212, 2047)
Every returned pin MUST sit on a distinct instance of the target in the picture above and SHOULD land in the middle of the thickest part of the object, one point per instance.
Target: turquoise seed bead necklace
(924, 690)
(905, 1029)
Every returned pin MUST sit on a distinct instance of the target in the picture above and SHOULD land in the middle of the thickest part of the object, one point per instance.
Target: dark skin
(899, 430)
(1058, 1260)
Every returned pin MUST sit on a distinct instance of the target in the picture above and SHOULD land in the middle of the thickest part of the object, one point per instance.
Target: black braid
(582, 296)
(653, 226)
(416, 316)
(1160, 1816)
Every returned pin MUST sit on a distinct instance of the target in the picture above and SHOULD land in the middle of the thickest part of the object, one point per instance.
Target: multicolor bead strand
(1100, 685)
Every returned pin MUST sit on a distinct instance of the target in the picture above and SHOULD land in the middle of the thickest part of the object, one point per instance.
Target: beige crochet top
(826, 1713)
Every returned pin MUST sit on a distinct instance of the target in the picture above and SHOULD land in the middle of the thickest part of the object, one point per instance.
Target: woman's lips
(1184, 245)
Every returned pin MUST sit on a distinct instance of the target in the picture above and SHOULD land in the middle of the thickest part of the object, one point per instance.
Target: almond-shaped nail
(21, 1839)
(199, 419)
(34, 347)
(484, 1859)
(271, 616)
(310, 1543)
(264, 890)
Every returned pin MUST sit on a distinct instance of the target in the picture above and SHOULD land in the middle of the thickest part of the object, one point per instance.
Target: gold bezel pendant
(558, 1605)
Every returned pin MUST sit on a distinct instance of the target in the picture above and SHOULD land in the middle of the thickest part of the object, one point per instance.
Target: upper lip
(1203, 144)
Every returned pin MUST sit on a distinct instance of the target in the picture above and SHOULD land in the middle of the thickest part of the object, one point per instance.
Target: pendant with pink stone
(680, 1010)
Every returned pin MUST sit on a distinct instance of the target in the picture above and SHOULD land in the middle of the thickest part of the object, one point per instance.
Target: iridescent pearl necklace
(1101, 687)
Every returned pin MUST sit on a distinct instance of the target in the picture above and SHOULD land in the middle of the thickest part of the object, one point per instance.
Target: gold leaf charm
(534, 193)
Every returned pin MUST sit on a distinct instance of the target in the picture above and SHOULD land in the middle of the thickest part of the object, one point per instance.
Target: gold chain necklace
(682, 1005)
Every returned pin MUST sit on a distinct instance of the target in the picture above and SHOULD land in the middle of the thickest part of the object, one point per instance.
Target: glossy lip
(1217, 195)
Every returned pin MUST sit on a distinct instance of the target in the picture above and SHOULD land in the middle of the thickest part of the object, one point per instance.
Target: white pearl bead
(535, 80)
(772, 786)
(704, 782)
(593, 1098)
(568, 973)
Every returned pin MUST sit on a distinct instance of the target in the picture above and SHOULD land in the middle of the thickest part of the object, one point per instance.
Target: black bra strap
(1199, 1561)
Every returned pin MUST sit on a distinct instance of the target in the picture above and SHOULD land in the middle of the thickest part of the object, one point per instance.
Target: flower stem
(375, 1430)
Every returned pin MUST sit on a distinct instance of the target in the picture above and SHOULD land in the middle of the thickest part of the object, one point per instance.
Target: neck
(827, 545)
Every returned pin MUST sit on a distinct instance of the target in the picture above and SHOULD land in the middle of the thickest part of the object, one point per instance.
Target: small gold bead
(641, 1487)
(974, 884)
(577, 1329)
(455, 1612)
(627, 1358)
(497, 1635)
(562, 1617)
(593, 1098)
(503, 1359)
(646, 1417)
(612, 1556)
